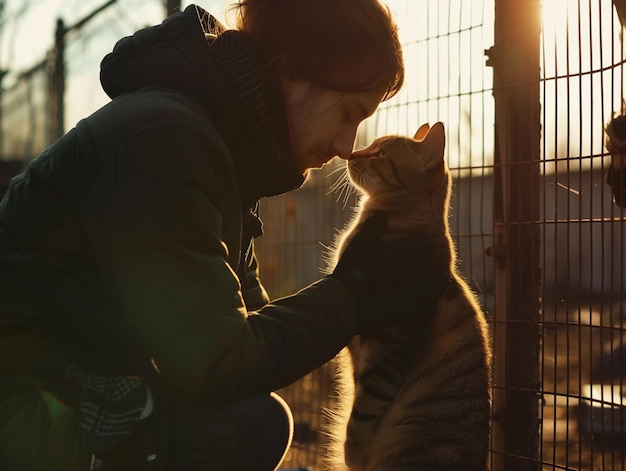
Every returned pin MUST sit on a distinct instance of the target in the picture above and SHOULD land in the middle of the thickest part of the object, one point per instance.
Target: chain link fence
(525, 90)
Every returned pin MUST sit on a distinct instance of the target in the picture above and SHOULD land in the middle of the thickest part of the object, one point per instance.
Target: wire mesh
(581, 362)
(87, 45)
(24, 129)
(582, 421)
(444, 45)
(580, 329)
(27, 126)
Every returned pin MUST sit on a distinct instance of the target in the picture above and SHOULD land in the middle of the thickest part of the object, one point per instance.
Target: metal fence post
(56, 77)
(171, 7)
(515, 58)
(2, 150)
(57, 84)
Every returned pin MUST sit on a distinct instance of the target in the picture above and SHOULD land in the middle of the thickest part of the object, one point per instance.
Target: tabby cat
(418, 397)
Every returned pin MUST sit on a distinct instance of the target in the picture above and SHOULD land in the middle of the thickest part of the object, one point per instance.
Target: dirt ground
(579, 434)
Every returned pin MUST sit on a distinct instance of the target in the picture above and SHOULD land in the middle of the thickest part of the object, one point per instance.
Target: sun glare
(579, 35)
(581, 42)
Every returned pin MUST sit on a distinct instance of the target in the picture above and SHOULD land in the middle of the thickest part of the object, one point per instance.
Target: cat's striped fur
(421, 392)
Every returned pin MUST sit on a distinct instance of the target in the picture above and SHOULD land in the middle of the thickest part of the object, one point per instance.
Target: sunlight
(579, 35)
(581, 89)
(446, 77)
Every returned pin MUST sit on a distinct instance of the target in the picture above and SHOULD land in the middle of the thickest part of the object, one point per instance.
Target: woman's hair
(347, 45)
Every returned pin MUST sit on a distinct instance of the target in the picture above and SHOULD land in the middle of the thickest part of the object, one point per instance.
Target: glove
(390, 281)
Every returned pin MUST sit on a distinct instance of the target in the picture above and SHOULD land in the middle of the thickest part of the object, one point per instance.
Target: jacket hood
(193, 53)
(172, 54)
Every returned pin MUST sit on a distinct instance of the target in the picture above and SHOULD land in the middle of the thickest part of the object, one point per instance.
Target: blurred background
(524, 89)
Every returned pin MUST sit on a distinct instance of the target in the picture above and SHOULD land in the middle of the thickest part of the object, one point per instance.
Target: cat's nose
(344, 153)
(356, 154)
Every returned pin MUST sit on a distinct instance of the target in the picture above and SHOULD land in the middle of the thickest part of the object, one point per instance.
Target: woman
(134, 331)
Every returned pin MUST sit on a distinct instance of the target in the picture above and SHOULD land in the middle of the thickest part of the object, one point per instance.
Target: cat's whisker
(343, 187)
(367, 180)
(338, 168)
(339, 183)
(347, 191)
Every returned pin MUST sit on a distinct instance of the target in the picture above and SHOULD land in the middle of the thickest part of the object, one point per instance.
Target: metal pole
(2, 74)
(57, 84)
(171, 6)
(515, 58)
(2, 153)
(56, 126)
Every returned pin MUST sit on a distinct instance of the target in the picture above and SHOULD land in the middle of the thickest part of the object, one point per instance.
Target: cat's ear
(435, 142)
(421, 132)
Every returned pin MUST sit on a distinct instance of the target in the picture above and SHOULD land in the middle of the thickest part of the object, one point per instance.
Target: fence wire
(580, 423)
(582, 364)
(446, 80)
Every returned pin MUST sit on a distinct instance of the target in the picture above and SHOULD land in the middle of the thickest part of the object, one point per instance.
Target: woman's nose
(344, 143)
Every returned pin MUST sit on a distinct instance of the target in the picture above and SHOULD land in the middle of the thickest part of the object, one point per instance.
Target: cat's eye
(379, 154)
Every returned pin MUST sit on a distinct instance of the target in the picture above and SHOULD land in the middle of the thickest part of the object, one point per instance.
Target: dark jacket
(126, 246)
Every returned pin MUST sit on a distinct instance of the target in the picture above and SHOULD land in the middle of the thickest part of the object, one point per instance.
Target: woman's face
(323, 122)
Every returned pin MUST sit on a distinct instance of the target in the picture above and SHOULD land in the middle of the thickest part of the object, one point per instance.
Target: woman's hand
(390, 281)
